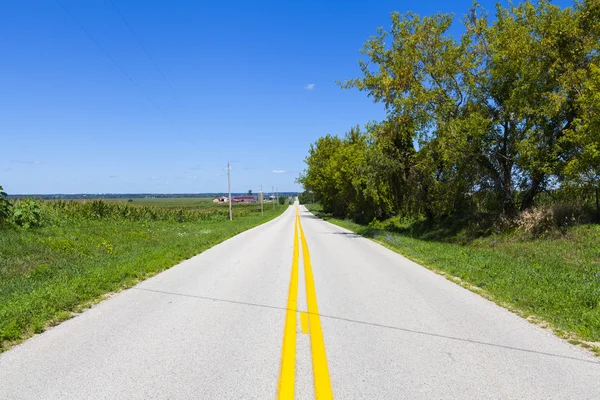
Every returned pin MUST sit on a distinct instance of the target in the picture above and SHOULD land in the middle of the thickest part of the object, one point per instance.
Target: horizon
(164, 194)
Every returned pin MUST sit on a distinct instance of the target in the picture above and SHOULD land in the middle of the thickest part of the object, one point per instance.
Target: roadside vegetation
(487, 165)
(551, 279)
(58, 257)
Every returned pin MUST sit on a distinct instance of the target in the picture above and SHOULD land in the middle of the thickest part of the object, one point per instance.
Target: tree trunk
(527, 201)
(508, 202)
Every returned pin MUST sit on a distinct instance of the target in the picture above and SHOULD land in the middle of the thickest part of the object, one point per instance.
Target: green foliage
(306, 197)
(176, 210)
(26, 214)
(486, 122)
(5, 206)
(282, 200)
(49, 272)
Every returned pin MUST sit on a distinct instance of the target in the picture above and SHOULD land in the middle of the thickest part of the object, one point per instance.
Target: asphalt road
(370, 325)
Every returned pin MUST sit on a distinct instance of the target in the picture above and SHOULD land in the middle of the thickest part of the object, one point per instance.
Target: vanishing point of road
(297, 308)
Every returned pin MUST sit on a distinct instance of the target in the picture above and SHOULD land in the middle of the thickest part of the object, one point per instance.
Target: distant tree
(4, 207)
(305, 197)
(250, 192)
(282, 200)
(319, 177)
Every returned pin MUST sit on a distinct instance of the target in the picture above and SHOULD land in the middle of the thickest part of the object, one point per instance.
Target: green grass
(50, 272)
(553, 279)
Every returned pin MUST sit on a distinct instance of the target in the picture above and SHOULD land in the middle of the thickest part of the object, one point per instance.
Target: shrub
(306, 197)
(4, 207)
(282, 200)
(26, 214)
(548, 219)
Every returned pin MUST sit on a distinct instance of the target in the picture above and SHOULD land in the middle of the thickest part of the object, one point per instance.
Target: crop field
(175, 202)
(70, 254)
(187, 203)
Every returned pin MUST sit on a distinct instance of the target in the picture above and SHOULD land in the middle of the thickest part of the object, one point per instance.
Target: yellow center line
(317, 344)
(288, 350)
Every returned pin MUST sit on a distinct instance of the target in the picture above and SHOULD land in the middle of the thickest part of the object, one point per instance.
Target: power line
(114, 62)
(147, 53)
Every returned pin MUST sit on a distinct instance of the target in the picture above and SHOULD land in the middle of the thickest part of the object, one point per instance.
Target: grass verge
(553, 281)
(49, 273)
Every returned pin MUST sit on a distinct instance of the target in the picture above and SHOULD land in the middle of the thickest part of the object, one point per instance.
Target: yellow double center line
(312, 319)
(288, 350)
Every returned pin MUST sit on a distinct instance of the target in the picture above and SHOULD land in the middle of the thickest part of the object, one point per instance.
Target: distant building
(221, 199)
(244, 199)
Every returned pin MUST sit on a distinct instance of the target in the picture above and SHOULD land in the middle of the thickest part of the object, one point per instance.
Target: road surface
(252, 319)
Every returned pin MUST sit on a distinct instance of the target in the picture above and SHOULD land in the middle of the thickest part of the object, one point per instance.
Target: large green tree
(482, 122)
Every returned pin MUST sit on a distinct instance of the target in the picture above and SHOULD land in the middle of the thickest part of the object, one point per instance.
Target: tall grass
(100, 209)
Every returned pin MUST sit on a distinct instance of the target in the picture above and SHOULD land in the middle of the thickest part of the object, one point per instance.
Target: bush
(306, 197)
(26, 214)
(4, 207)
(282, 200)
(542, 220)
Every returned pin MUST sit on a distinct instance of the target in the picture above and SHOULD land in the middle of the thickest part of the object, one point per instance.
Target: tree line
(496, 120)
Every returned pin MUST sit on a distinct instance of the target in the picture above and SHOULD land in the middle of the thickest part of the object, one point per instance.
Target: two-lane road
(239, 322)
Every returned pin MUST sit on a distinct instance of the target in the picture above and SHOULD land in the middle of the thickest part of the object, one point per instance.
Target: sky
(124, 96)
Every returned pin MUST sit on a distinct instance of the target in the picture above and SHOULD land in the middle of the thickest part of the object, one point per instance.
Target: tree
(480, 123)
(4, 207)
(488, 111)
(580, 143)
(305, 197)
(319, 175)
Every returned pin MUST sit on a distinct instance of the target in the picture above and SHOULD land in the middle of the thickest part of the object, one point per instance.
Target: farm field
(81, 251)
(188, 203)
(183, 202)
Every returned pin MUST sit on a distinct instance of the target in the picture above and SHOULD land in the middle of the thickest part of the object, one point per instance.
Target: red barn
(244, 199)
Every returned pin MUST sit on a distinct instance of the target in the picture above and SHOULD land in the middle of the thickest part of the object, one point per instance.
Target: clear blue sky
(254, 83)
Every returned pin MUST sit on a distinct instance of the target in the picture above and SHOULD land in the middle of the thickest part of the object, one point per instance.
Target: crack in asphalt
(432, 334)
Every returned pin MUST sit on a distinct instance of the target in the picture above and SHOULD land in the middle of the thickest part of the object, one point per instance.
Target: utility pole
(262, 212)
(229, 188)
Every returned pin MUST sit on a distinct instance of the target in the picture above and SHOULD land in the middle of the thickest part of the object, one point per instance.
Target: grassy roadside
(553, 281)
(49, 273)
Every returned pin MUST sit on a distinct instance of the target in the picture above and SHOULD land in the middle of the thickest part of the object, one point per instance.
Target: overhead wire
(164, 77)
(91, 37)
(161, 73)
